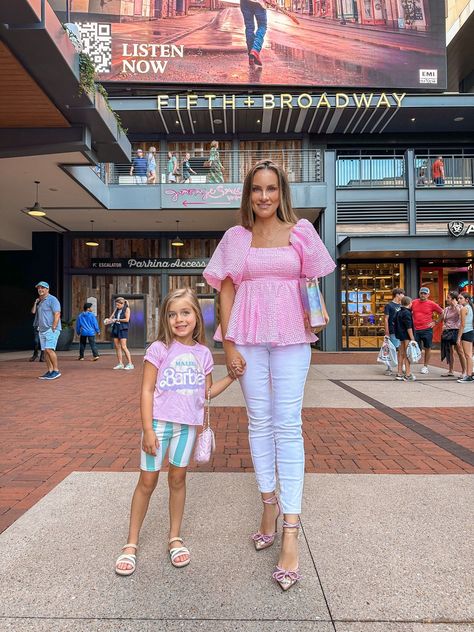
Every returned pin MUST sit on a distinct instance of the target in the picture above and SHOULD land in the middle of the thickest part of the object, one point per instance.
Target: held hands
(235, 365)
(150, 443)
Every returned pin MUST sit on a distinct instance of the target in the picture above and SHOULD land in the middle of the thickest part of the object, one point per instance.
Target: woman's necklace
(267, 238)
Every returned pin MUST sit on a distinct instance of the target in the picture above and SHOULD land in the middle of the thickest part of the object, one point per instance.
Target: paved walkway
(385, 553)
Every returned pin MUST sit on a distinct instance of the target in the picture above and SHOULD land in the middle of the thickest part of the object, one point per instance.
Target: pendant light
(177, 241)
(36, 210)
(92, 242)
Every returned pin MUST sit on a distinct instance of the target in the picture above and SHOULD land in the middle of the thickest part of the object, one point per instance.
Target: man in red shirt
(423, 310)
(437, 171)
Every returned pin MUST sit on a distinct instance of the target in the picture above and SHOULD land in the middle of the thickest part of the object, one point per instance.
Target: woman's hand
(150, 442)
(315, 330)
(235, 364)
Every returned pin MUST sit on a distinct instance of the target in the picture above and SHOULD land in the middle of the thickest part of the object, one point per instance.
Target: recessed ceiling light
(413, 120)
(259, 121)
(396, 254)
(458, 118)
(217, 121)
(176, 122)
(194, 122)
(53, 189)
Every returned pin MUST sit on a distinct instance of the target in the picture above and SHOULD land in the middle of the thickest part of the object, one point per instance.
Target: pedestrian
(173, 170)
(86, 328)
(177, 378)
(120, 321)
(437, 171)
(257, 268)
(216, 168)
(36, 339)
(404, 331)
(139, 168)
(423, 310)
(390, 311)
(186, 168)
(151, 166)
(451, 318)
(48, 310)
(254, 14)
(466, 334)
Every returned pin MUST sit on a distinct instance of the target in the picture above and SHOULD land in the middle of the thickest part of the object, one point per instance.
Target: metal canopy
(406, 246)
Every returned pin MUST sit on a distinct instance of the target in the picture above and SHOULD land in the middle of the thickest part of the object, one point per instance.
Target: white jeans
(273, 387)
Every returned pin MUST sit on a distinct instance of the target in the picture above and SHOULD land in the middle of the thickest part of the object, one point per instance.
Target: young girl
(466, 334)
(404, 332)
(176, 380)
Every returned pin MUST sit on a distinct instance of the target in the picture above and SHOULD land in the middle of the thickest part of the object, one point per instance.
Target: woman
(216, 168)
(451, 318)
(151, 166)
(466, 335)
(257, 267)
(120, 320)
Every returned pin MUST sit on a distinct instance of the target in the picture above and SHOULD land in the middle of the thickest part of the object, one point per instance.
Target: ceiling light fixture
(177, 241)
(217, 121)
(458, 119)
(36, 210)
(92, 242)
(413, 120)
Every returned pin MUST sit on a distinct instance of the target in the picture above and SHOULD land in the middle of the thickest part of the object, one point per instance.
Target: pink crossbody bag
(205, 442)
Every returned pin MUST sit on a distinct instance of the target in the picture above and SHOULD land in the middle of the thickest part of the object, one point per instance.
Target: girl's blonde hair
(164, 330)
(285, 210)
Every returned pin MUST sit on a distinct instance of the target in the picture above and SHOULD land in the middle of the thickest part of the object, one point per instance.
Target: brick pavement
(88, 421)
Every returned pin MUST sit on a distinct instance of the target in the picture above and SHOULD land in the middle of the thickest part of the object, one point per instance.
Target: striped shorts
(179, 438)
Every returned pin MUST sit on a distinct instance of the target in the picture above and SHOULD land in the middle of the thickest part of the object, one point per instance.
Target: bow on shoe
(262, 537)
(281, 575)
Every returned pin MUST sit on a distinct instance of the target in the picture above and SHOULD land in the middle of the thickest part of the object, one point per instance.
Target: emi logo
(428, 76)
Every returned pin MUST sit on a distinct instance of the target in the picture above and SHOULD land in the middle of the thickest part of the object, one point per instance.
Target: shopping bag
(388, 353)
(312, 301)
(206, 442)
(413, 352)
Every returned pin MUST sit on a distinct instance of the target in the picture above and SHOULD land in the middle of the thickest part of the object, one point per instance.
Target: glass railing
(356, 171)
(454, 170)
(300, 166)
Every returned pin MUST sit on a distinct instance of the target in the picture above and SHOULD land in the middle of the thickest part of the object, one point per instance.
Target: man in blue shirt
(139, 167)
(48, 310)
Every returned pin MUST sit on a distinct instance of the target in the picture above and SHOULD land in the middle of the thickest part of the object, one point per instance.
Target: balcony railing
(458, 171)
(359, 171)
(300, 166)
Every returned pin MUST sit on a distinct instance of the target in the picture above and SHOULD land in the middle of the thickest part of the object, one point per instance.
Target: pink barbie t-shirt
(180, 389)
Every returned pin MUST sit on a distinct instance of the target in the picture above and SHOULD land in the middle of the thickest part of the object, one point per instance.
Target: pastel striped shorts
(179, 438)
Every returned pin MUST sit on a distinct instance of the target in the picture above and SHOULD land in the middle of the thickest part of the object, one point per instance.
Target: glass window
(366, 289)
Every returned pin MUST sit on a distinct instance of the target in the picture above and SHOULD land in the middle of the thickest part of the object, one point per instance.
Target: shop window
(365, 290)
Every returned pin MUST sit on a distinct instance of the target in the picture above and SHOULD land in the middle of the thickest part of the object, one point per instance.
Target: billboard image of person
(329, 43)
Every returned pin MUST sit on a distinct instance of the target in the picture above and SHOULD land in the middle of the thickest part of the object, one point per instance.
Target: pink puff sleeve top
(267, 307)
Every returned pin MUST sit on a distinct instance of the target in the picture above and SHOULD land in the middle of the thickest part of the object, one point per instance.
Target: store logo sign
(428, 75)
(458, 229)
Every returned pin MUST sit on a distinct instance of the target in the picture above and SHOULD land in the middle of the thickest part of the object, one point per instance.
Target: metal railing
(359, 171)
(300, 166)
(458, 171)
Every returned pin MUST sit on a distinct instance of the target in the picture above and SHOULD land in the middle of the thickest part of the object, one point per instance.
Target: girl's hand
(235, 364)
(314, 330)
(150, 443)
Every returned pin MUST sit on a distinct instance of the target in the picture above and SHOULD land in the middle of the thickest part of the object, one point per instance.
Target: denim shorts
(49, 339)
(394, 340)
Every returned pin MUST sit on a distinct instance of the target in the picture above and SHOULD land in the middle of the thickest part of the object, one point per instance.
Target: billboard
(329, 43)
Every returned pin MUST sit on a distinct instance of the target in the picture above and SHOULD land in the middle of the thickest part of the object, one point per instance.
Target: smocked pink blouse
(267, 307)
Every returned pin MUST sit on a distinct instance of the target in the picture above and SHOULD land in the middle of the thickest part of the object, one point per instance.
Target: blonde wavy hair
(165, 334)
(285, 211)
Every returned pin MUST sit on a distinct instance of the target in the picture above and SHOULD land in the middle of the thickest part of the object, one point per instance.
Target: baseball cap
(43, 284)
(424, 290)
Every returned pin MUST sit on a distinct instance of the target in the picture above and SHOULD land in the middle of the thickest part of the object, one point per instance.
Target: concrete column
(410, 171)
(411, 278)
(328, 234)
(235, 159)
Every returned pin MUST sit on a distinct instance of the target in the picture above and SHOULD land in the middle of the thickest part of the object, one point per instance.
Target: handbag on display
(206, 442)
(312, 301)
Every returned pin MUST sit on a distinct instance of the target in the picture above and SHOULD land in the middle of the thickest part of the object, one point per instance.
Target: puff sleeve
(315, 259)
(229, 257)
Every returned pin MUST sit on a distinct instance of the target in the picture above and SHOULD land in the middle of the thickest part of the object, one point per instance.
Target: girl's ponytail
(468, 297)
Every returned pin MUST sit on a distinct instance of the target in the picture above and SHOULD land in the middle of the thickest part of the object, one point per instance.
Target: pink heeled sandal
(264, 540)
(286, 579)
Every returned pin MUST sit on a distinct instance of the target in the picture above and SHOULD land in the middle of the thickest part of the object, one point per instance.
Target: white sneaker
(424, 370)
(119, 366)
(388, 372)
(129, 367)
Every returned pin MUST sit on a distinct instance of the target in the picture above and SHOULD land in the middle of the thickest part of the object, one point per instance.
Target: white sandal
(176, 552)
(127, 558)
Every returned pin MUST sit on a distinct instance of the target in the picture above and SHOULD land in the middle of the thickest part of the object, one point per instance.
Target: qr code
(96, 39)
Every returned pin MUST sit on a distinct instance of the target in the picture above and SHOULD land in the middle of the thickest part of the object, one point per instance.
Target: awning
(406, 246)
